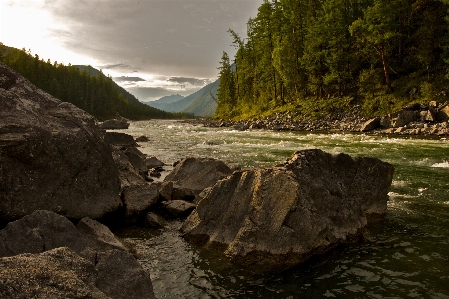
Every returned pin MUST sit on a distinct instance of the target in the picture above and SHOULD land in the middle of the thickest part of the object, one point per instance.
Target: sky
(152, 48)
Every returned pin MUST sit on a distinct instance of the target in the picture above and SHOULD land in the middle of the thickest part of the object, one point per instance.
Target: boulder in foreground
(58, 273)
(281, 216)
(52, 156)
(43, 255)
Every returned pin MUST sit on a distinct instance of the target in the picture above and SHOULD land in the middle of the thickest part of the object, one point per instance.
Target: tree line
(98, 95)
(379, 54)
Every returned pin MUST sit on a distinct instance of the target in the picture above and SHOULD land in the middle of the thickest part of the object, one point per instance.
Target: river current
(407, 256)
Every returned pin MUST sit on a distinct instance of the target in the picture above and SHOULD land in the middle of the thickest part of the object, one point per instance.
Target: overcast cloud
(172, 45)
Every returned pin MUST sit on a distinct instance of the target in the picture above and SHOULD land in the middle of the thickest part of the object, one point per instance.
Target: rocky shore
(64, 182)
(420, 119)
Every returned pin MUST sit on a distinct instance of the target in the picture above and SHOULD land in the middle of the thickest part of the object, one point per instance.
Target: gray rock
(128, 175)
(137, 159)
(38, 232)
(138, 200)
(404, 117)
(98, 236)
(443, 114)
(45, 230)
(281, 216)
(154, 220)
(59, 273)
(183, 194)
(197, 174)
(142, 139)
(385, 121)
(178, 208)
(165, 190)
(119, 139)
(121, 276)
(153, 162)
(114, 124)
(371, 124)
(399, 130)
(428, 115)
(45, 148)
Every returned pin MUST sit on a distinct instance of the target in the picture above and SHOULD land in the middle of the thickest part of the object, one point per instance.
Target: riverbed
(407, 256)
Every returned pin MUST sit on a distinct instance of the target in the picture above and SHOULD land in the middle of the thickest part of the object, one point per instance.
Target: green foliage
(381, 54)
(96, 94)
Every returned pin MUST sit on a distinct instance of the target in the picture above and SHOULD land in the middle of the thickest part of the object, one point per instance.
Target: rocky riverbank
(64, 181)
(420, 119)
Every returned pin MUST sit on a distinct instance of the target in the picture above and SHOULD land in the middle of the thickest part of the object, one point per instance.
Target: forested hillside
(325, 55)
(204, 103)
(96, 94)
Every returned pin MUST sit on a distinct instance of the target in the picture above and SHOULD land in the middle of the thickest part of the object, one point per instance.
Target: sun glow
(27, 24)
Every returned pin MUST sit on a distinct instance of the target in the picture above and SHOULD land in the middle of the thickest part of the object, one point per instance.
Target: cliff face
(52, 156)
(281, 216)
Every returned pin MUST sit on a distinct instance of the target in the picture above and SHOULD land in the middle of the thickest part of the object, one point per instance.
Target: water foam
(444, 164)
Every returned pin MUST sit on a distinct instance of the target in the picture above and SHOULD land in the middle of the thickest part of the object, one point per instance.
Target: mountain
(94, 72)
(204, 103)
(162, 102)
(200, 103)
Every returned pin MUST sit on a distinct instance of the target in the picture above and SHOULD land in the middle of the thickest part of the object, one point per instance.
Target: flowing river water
(407, 256)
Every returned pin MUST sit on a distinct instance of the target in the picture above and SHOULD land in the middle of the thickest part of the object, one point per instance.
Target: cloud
(171, 37)
(115, 66)
(191, 81)
(127, 79)
(145, 94)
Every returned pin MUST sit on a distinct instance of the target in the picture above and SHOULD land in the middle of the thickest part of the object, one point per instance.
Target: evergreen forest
(84, 87)
(316, 57)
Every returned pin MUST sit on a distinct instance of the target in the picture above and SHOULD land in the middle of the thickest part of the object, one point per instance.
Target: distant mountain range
(164, 101)
(200, 103)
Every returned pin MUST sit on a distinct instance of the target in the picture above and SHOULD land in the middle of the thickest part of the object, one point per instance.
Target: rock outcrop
(193, 175)
(58, 273)
(137, 195)
(115, 124)
(281, 216)
(86, 261)
(52, 156)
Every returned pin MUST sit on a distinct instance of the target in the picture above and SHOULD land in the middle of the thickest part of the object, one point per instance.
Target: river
(407, 256)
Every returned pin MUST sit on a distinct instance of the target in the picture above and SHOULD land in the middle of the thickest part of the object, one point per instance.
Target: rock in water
(196, 174)
(281, 216)
(115, 124)
(52, 156)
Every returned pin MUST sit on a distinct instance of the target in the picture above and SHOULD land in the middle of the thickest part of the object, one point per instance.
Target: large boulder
(59, 273)
(138, 200)
(281, 216)
(52, 156)
(45, 230)
(38, 232)
(196, 174)
(371, 124)
(97, 257)
(443, 114)
(121, 276)
(119, 139)
(400, 118)
(115, 124)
